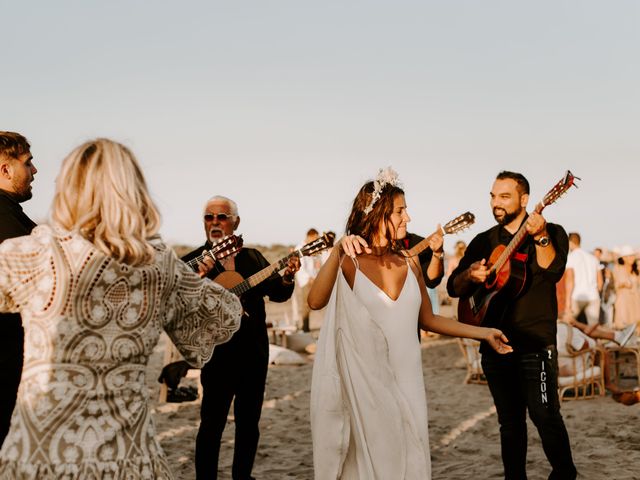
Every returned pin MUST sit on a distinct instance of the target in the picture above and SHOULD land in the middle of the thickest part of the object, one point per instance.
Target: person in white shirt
(309, 268)
(583, 282)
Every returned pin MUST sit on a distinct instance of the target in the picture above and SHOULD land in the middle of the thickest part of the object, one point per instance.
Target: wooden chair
(587, 379)
(471, 353)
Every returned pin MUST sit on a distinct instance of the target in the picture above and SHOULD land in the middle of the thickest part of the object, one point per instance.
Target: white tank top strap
(354, 260)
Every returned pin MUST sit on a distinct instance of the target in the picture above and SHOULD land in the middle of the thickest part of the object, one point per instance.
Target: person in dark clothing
(431, 259)
(238, 369)
(16, 174)
(526, 379)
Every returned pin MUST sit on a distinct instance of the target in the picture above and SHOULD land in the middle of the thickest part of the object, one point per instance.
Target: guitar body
(509, 280)
(229, 279)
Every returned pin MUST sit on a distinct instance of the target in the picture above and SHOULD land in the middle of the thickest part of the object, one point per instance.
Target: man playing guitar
(526, 379)
(238, 368)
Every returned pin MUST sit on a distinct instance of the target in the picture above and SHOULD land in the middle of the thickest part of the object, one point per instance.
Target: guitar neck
(263, 274)
(422, 245)
(515, 243)
(193, 263)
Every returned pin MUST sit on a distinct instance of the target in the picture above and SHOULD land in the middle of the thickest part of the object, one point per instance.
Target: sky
(288, 107)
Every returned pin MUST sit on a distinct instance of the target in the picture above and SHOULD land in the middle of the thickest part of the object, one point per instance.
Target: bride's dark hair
(367, 224)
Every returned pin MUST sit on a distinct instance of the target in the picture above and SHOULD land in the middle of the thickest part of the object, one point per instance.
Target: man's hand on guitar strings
(292, 267)
(436, 241)
(536, 224)
(478, 271)
(205, 266)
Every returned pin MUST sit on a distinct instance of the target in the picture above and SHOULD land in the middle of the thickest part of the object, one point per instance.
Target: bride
(368, 403)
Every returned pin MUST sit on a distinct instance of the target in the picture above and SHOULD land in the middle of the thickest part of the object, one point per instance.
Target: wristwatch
(542, 241)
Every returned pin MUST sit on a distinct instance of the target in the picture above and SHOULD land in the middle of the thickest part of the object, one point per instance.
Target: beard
(212, 237)
(503, 217)
(21, 191)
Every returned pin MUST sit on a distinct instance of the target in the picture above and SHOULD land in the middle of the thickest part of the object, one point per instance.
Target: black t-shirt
(411, 240)
(13, 223)
(528, 320)
(251, 339)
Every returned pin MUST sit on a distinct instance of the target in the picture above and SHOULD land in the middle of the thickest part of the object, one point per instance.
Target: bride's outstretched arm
(448, 326)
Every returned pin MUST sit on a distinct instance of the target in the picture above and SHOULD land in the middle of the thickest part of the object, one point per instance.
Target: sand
(463, 428)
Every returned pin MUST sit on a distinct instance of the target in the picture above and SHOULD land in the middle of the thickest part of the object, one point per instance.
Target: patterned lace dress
(90, 325)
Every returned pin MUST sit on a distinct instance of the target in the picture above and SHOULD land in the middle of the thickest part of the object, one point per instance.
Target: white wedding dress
(368, 402)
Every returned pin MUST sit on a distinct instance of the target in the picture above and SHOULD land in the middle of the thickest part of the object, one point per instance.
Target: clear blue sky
(289, 106)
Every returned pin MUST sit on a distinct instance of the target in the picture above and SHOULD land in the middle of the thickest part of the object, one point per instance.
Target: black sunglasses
(209, 217)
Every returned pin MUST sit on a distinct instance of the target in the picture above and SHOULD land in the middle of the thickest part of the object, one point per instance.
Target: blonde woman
(95, 291)
(368, 403)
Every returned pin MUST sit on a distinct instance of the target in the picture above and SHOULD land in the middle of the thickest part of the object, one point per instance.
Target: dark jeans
(11, 359)
(223, 378)
(521, 382)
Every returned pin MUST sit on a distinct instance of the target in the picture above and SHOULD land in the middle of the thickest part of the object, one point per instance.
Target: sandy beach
(463, 428)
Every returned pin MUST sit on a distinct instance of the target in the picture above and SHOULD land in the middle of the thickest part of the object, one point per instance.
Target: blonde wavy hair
(101, 193)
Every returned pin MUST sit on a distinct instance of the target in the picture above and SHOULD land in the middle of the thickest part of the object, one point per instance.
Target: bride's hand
(498, 341)
(354, 245)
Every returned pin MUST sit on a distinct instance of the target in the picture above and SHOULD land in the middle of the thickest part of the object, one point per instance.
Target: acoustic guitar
(236, 283)
(229, 245)
(507, 267)
(454, 226)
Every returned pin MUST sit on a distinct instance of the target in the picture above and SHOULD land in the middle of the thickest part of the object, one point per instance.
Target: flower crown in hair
(386, 176)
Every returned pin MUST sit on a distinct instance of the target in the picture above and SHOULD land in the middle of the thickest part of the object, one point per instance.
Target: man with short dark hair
(16, 174)
(526, 379)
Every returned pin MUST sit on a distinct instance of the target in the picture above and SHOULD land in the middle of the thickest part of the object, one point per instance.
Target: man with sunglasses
(238, 369)
(16, 174)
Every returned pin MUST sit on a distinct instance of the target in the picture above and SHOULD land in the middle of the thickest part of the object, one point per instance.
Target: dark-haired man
(16, 174)
(526, 379)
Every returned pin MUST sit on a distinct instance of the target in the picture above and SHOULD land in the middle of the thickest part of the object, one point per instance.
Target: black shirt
(529, 320)
(13, 223)
(411, 240)
(252, 336)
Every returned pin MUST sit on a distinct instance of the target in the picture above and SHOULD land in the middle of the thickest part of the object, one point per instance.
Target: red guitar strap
(520, 257)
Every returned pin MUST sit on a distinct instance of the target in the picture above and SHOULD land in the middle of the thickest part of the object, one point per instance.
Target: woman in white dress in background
(368, 402)
(95, 290)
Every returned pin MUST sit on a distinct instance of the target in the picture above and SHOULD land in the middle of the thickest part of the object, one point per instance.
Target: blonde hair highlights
(101, 193)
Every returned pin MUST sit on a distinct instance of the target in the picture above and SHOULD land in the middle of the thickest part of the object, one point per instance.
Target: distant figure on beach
(583, 283)
(16, 175)
(607, 294)
(458, 252)
(238, 369)
(626, 280)
(95, 290)
(309, 268)
(517, 381)
(368, 402)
